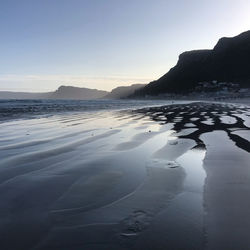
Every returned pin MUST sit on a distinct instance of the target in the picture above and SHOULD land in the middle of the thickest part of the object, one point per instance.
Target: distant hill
(74, 93)
(68, 92)
(123, 91)
(24, 95)
(229, 61)
(63, 92)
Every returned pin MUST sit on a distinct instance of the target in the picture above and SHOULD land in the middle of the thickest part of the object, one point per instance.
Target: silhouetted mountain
(63, 92)
(68, 92)
(229, 61)
(24, 95)
(123, 91)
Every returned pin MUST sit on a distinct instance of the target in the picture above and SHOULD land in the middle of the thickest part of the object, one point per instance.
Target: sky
(106, 43)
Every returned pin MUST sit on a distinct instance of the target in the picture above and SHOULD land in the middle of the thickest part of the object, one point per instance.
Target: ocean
(16, 109)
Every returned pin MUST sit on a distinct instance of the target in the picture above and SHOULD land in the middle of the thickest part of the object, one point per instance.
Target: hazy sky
(106, 43)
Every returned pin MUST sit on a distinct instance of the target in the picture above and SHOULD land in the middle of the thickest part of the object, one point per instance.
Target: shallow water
(16, 109)
(117, 179)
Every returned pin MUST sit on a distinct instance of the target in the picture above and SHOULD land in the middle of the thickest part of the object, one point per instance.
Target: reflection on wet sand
(209, 117)
(154, 178)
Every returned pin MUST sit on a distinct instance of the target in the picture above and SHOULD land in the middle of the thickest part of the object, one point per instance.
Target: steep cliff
(229, 61)
(69, 92)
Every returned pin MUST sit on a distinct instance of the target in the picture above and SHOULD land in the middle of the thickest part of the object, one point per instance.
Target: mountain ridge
(74, 93)
(228, 61)
(123, 91)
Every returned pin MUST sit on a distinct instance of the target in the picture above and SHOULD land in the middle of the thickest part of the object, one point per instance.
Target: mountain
(24, 95)
(228, 61)
(123, 91)
(68, 92)
(63, 92)
(75, 93)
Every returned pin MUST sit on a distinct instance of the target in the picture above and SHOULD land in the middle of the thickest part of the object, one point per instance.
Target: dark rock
(229, 61)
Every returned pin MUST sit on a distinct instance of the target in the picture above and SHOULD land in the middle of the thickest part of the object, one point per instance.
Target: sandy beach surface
(171, 177)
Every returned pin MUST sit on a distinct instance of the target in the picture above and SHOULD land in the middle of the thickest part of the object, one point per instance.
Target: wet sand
(171, 177)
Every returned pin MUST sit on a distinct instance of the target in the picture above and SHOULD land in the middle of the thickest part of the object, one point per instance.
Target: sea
(25, 109)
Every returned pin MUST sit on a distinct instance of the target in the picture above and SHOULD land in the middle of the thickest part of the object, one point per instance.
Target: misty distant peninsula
(224, 70)
(75, 93)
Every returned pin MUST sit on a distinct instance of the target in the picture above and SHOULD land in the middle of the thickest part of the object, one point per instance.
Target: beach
(169, 176)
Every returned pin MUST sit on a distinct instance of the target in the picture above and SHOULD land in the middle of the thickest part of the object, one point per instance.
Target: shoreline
(126, 180)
